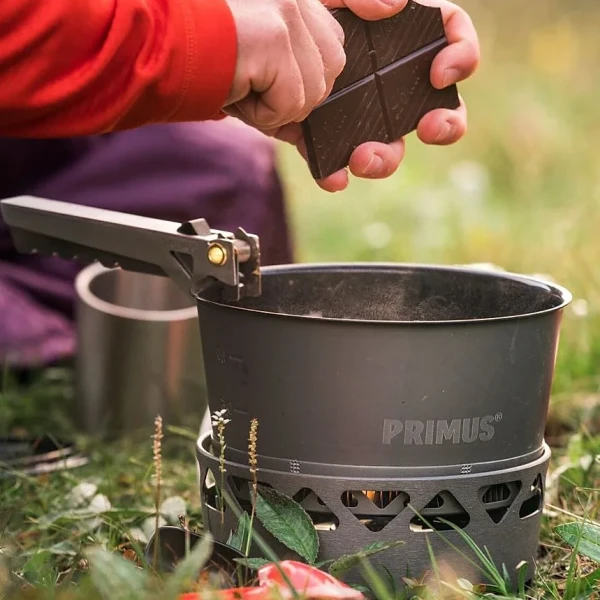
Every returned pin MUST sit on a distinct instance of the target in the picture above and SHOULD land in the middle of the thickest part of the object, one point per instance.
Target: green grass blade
(376, 583)
(186, 571)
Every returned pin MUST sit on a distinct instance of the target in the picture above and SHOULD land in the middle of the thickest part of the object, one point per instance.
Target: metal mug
(138, 353)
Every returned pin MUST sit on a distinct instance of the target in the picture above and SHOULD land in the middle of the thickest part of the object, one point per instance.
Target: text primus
(437, 432)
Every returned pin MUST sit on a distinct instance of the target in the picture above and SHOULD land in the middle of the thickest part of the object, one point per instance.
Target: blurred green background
(521, 190)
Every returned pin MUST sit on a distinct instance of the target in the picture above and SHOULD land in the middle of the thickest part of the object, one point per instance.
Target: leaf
(350, 561)
(288, 522)
(324, 563)
(186, 572)
(39, 571)
(64, 548)
(239, 538)
(583, 537)
(361, 588)
(591, 580)
(113, 576)
(253, 563)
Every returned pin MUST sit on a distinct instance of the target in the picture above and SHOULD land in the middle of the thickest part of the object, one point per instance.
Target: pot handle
(192, 254)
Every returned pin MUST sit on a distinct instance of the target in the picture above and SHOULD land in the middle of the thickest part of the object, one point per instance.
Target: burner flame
(380, 499)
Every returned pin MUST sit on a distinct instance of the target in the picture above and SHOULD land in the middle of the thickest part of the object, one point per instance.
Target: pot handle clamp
(191, 253)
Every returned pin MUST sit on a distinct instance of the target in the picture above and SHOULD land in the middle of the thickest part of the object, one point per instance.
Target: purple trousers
(222, 171)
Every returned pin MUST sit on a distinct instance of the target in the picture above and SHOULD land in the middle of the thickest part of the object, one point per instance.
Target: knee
(234, 166)
(228, 146)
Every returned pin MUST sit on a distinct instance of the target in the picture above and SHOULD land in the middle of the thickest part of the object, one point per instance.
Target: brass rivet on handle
(217, 255)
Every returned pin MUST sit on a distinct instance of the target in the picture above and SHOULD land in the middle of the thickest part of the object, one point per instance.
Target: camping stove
(395, 402)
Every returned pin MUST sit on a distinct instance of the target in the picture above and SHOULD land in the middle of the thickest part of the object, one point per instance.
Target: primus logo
(432, 432)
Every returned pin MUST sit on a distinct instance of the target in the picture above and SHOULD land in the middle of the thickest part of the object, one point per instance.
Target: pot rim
(85, 295)
(564, 294)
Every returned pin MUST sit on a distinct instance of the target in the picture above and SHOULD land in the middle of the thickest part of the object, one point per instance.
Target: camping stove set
(395, 402)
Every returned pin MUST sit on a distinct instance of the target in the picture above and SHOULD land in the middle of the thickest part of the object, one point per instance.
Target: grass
(522, 191)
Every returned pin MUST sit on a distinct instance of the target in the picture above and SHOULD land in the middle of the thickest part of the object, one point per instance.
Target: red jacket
(79, 67)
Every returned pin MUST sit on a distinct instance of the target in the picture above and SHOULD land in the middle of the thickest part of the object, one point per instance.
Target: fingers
(321, 24)
(271, 107)
(289, 54)
(311, 63)
(337, 182)
(292, 134)
(370, 10)
(460, 59)
(443, 127)
(456, 62)
(371, 160)
(374, 160)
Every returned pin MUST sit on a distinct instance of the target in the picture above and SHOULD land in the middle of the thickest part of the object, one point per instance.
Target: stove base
(499, 510)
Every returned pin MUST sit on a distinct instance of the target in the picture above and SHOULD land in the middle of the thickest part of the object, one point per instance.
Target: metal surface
(173, 545)
(179, 251)
(499, 510)
(411, 371)
(138, 352)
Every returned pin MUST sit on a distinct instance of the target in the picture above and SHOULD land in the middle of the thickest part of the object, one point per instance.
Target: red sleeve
(80, 67)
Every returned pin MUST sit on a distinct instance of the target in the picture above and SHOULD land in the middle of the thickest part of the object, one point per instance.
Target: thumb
(369, 10)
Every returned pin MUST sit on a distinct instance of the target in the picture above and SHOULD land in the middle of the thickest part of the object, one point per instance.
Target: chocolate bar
(385, 88)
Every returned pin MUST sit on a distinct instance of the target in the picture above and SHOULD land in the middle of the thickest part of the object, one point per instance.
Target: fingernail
(450, 76)
(374, 165)
(446, 131)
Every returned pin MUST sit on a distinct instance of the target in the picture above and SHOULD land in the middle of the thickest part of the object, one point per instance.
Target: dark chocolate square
(407, 93)
(411, 29)
(356, 46)
(340, 124)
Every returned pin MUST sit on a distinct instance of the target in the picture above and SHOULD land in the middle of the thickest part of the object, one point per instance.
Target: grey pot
(427, 387)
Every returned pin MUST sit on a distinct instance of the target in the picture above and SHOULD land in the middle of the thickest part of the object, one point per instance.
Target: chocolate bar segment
(385, 88)
(413, 28)
(407, 94)
(340, 124)
(358, 59)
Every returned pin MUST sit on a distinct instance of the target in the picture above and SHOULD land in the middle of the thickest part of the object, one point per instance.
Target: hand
(455, 63)
(289, 54)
